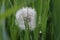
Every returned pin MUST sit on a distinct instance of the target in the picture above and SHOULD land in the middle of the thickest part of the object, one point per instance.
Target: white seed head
(26, 13)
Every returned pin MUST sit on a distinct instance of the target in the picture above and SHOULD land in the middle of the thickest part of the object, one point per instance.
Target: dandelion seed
(26, 14)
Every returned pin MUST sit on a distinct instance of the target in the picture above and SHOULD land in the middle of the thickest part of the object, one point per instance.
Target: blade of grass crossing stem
(9, 12)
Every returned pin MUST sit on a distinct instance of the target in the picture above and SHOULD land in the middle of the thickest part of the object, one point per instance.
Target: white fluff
(27, 14)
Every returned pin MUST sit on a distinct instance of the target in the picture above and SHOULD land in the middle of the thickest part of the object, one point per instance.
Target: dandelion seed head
(26, 13)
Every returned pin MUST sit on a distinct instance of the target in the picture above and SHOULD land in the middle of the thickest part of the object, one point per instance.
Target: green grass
(47, 20)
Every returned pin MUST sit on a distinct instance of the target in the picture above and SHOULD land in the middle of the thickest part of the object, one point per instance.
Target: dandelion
(26, 13)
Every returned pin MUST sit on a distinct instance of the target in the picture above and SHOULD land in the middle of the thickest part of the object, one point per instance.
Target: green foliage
(47, 20)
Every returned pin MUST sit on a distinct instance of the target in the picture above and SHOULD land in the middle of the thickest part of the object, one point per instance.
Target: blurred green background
(47, 20)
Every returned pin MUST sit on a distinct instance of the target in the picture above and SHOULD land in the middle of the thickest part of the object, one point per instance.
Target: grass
(47, 20)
